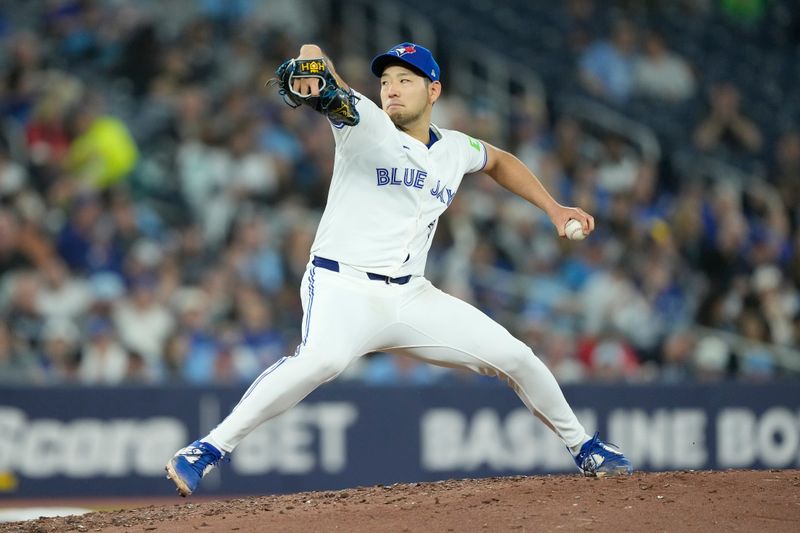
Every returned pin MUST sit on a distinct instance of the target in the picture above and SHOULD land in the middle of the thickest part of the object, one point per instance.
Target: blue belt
(330, 264)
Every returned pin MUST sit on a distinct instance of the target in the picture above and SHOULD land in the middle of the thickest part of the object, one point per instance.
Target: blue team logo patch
(403, 50)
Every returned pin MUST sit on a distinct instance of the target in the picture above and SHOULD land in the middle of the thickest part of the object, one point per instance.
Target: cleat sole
(180, 486)
(621, 471)
(616, 472)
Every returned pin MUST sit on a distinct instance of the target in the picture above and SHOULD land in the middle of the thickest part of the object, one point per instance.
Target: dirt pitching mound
(672, 501)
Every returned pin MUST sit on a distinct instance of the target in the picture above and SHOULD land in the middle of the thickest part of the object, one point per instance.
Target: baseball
(574, 230)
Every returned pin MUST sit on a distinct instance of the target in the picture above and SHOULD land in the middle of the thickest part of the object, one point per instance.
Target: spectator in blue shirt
(607, 66)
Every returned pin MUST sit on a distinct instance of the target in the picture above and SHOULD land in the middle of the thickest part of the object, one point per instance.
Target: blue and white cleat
(191, 464)
(598, 459)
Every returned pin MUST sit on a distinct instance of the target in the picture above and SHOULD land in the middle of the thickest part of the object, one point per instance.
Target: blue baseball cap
(417, 57)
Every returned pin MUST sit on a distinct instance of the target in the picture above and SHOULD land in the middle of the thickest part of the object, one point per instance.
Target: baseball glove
(333, 101)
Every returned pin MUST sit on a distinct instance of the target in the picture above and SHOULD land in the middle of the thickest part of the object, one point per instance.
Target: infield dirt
(749, 501)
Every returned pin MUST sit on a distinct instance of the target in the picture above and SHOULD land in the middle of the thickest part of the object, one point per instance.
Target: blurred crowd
(158, 203)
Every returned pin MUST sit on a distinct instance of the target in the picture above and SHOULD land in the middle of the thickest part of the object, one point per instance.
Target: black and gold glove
(333, 101)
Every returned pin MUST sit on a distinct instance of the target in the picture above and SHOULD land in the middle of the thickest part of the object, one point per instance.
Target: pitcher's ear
(435, 90)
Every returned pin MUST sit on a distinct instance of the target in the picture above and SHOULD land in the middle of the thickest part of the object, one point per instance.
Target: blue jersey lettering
(412, 177)
(439, 193)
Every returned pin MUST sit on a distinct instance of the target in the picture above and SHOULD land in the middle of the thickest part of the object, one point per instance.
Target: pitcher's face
(405, 95)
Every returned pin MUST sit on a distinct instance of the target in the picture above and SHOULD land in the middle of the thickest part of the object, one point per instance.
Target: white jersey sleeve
(472, 151)
(371, 128)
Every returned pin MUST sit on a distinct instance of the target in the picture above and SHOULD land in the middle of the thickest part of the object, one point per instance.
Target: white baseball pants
(346, 315)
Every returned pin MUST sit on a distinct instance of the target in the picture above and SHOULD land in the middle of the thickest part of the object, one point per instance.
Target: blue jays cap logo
(406, 49)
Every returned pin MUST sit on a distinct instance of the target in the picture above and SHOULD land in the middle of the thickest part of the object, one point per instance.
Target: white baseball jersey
(388, 191)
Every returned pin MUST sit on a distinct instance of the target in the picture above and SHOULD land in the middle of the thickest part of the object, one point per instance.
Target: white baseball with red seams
(573, 229)
(387, 193)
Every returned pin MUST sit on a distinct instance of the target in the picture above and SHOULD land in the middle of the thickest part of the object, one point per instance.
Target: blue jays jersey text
(411, 177)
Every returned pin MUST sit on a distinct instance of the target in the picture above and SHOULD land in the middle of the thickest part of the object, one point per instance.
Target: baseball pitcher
(364, 290)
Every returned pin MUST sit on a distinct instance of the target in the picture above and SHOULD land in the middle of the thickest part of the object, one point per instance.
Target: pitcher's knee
(324, 366)
(521, 359)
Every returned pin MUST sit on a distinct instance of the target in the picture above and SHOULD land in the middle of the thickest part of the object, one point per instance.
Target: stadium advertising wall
(110, 441)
